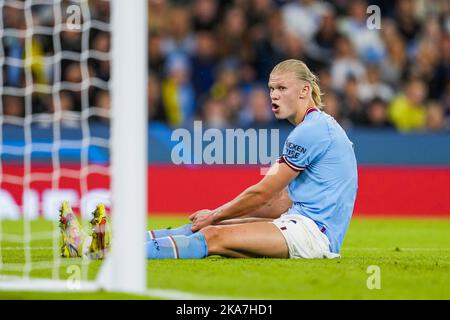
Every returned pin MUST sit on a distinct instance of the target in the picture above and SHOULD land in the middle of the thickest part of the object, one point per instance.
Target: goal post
(129, 146)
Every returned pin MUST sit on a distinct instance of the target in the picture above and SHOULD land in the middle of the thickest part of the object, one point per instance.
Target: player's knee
(211, 233)
(212, 236)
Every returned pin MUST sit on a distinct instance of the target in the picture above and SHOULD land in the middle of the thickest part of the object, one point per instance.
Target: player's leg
(258, 239)
(177, 247)
(184, 230)
(242, 220)
(273, 210)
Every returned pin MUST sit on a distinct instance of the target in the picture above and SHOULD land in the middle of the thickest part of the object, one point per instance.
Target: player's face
(285, 91)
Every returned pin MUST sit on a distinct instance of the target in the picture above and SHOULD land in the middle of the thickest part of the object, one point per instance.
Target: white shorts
(303, 237)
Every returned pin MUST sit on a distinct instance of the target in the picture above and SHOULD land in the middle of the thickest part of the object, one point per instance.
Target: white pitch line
(16, 283)
(23, 248)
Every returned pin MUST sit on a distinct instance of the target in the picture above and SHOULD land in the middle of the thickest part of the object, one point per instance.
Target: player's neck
(303, 111)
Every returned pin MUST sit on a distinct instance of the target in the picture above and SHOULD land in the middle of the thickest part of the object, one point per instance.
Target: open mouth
(275, 107)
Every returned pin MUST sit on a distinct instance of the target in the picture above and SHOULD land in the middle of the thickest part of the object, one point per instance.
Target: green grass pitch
(413, 257)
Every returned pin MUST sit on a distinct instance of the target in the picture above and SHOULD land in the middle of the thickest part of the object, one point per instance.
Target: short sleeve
(305, 145)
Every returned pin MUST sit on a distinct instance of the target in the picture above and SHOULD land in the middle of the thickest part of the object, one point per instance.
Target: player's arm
(252, 199)
(278, 205)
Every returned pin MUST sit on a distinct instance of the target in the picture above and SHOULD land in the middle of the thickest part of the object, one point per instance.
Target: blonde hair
(302, 72)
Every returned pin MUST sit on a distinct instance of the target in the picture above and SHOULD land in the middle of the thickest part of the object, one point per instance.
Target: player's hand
(201, 219)
(198, 213)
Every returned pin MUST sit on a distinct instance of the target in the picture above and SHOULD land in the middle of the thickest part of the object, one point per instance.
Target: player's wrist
(215, 215)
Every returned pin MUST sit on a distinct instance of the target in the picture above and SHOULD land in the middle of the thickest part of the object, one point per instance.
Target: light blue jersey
(325, 190)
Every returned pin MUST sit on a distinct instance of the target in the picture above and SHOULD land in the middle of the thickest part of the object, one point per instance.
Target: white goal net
(72, 127)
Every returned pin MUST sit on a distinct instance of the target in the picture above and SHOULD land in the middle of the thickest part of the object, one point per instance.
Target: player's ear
(304, 92)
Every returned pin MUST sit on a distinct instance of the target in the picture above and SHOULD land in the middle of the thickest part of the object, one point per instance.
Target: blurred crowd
(210, 60)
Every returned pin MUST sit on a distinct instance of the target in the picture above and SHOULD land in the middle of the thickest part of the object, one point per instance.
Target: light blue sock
(178, 247)
(181, 231)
